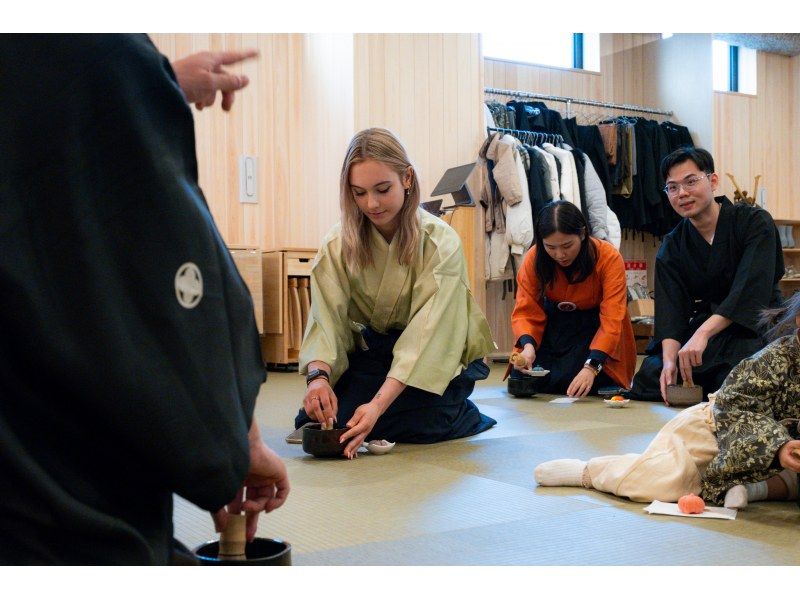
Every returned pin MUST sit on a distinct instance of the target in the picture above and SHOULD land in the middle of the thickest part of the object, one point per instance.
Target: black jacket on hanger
(537, 188)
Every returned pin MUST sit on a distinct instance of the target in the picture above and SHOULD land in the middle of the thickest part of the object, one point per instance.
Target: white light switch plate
(248, 179)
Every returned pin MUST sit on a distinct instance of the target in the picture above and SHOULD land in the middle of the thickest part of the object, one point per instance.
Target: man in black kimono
(715, 272)
(129, 355)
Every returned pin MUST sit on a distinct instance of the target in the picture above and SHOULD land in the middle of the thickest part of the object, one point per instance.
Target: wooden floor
(473, 501)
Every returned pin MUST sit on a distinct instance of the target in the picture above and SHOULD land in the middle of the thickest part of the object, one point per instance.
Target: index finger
(348, 434)
(686, 374)
(234, 56)
(251, 519)
(334, 402)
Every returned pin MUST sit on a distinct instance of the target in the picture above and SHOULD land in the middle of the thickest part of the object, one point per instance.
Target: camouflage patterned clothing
(759, 392)
(504, 117)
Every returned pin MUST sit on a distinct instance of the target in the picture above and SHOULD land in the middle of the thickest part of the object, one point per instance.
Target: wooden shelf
(792, 251)
(790, 280)
(282, 330)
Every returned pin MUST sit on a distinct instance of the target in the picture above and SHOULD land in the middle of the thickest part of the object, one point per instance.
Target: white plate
(616, 404)
(536, 373)
(375, 448)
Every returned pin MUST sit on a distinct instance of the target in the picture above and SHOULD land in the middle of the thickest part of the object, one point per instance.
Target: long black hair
(562, 217)
(780, 321)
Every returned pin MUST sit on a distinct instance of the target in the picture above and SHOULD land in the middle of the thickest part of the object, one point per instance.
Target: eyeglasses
(672, 189)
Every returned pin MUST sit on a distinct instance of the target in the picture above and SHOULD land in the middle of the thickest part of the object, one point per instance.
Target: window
(565, 50)
(734, 68)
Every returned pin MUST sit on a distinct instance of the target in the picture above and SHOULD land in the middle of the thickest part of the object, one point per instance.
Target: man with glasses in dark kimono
(715, 272)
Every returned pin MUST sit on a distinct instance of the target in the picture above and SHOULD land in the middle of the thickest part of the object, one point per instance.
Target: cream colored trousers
(670, 467)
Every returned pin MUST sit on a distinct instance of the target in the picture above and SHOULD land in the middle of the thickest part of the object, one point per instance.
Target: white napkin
(561, 400)
(670, 508)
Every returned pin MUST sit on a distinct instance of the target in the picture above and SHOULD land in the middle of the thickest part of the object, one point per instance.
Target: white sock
(736, 497)
(790, 479)
(561, 472)
(756, 491)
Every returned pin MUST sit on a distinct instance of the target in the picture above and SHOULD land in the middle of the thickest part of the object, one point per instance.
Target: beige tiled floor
(473, 501)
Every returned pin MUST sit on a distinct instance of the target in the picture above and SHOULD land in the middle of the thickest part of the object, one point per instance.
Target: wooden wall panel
(795, 125)
(758, 135)
(296, 117)
(426, 89)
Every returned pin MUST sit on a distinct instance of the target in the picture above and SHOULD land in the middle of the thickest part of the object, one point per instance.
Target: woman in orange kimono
(571, 313)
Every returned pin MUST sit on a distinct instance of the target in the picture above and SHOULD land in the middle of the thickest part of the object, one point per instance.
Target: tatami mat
(474, 501)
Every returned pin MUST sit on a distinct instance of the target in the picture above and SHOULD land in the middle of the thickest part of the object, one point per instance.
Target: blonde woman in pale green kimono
(395, 340)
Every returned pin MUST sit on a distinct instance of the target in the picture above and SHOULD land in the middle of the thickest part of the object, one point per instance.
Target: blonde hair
(382, 146)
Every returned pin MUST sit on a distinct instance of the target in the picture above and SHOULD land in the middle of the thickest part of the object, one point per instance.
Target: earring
(408, 192)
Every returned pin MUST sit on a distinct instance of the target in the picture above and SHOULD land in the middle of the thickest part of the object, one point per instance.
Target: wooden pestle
(232, 541)
(295, 318)
(305, 300)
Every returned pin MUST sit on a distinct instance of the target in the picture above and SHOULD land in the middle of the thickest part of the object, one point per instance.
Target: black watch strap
(317, 373)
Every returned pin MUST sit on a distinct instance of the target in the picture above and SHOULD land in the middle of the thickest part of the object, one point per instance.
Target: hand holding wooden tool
(518, 360)
(233, 538)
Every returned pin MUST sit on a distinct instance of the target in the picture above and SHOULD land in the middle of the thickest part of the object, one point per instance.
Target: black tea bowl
(260, 552)
(323, 443)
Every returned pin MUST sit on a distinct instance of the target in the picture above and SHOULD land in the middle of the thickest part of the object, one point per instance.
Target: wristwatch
(594, 365)
(317, 373)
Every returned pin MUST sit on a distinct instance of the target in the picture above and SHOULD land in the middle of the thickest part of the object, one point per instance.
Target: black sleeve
(753, 282)
(673, 301)
(120, 295)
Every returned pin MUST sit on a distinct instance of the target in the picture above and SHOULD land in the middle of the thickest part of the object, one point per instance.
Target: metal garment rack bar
(533, 135)
(569, 101)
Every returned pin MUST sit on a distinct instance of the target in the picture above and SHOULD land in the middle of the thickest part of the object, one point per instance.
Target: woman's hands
(365, 416)
(529, 353)
(582, 383)
(360, 425)
(320, 401)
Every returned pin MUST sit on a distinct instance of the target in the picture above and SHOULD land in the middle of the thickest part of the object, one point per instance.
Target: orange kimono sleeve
(528, 316)
(614, 304)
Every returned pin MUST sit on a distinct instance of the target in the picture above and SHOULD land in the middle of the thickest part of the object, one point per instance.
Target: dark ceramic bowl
(259, 552)
(322, 443)
(684, 396)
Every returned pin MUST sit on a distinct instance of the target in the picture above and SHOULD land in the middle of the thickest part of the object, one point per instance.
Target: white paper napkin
(670, 508)
(561, 400)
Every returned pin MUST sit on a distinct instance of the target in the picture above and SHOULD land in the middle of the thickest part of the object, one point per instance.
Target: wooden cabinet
(248, 262)
(286, 302)
(790, 283)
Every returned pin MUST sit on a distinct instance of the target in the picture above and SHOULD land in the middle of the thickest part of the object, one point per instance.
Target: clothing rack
(569, 101)
(526, 135)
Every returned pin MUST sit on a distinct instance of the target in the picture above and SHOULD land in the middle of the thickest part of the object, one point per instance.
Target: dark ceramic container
(259, 552)
(322, 443)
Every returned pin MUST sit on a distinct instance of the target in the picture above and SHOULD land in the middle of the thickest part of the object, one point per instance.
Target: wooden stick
(232, 541)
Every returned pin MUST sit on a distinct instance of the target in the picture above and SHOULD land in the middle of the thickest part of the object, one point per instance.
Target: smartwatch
(594, 365)
(317, 373)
